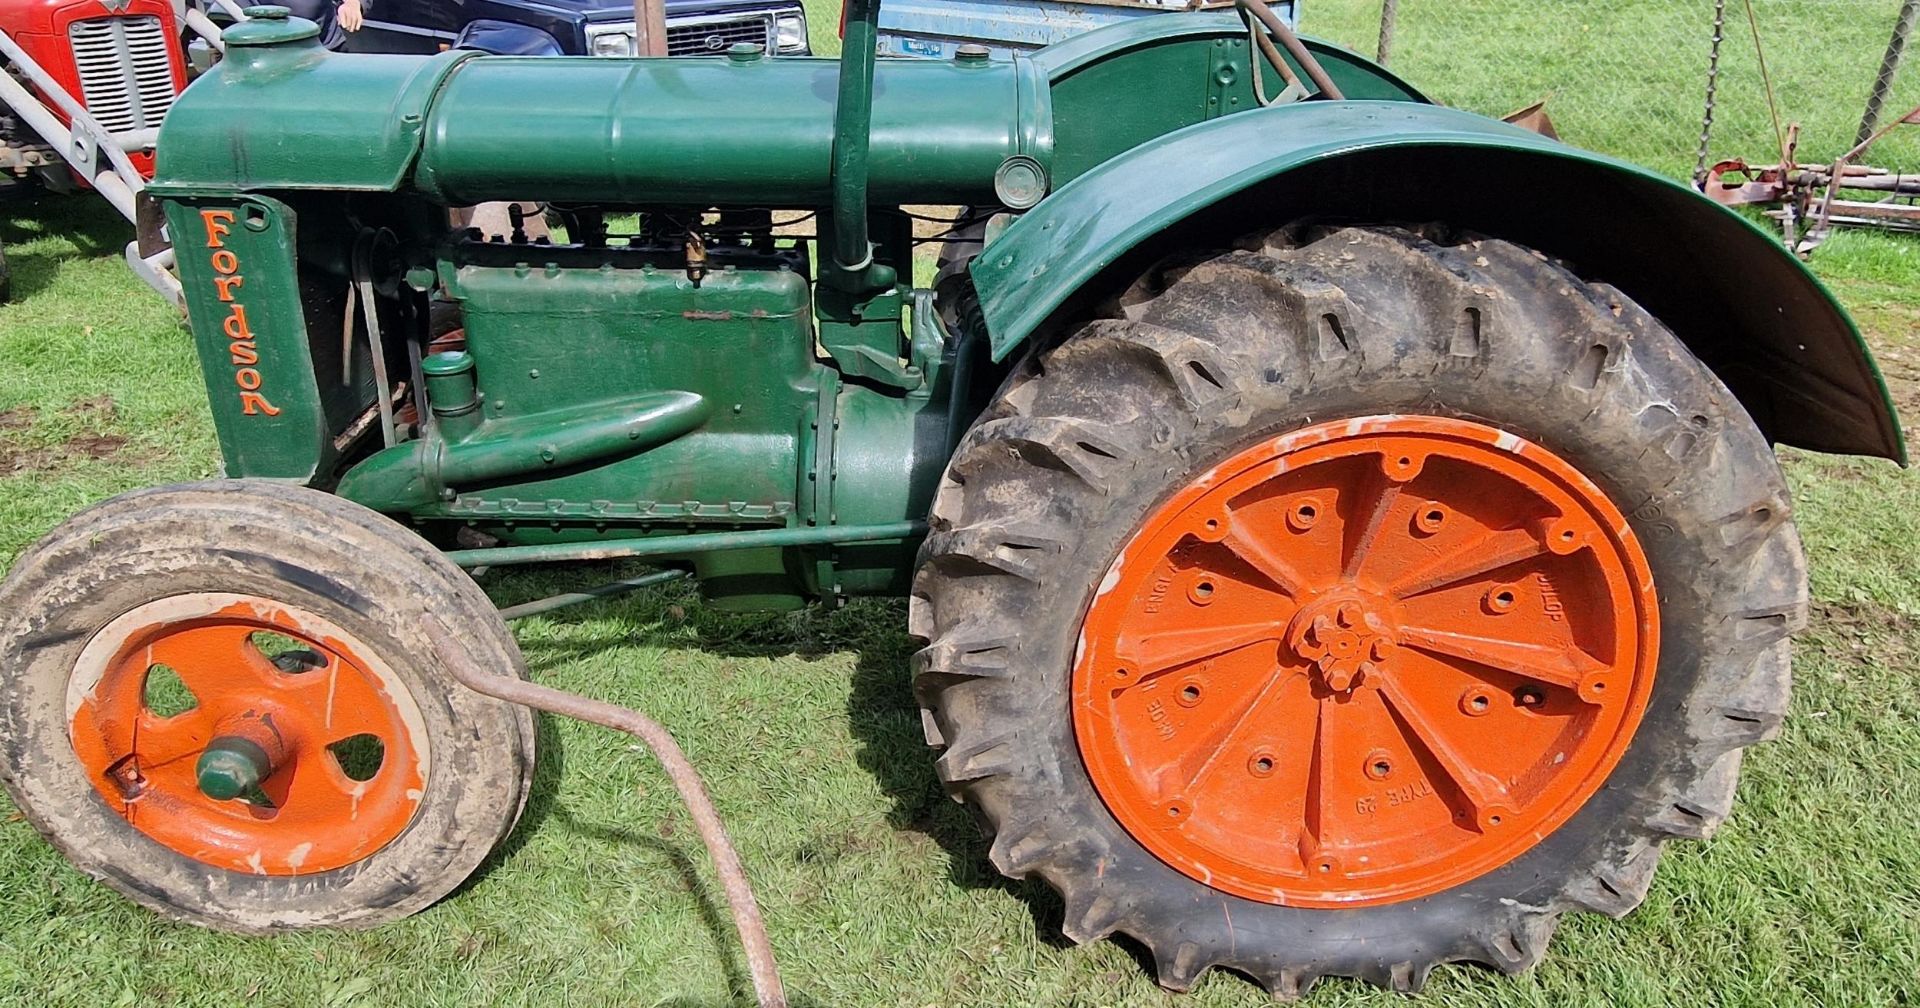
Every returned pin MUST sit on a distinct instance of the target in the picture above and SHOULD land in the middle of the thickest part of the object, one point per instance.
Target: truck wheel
(1354, 603)
(219, 701)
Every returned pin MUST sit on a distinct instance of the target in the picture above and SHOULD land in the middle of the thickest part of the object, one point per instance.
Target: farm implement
(1318, 574)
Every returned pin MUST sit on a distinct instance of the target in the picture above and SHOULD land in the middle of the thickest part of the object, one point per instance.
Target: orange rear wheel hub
(284, 748)
(1365, 661)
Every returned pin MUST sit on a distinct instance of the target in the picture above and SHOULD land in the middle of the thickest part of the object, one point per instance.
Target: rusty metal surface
(1295, 48)
(1815, 194)
(1534, 117)
(1838, 179)
(768, 991)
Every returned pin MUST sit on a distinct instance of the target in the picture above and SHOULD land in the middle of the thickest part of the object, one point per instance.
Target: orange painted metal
(1365, 661)
(314, 817)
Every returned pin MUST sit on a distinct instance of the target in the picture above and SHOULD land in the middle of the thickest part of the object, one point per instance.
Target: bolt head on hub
(1342, 638)
(231, 767)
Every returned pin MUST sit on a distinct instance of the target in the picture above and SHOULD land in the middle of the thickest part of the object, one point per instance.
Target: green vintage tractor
(1345, 532)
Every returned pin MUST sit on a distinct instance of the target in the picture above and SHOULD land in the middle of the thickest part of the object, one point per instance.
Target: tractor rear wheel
(219, 700)
(1353, 602)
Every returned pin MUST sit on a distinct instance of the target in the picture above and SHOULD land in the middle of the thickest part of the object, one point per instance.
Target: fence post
(1389, 12)
(1889, 66)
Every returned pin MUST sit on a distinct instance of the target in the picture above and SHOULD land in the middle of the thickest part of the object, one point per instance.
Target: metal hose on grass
(726, 861)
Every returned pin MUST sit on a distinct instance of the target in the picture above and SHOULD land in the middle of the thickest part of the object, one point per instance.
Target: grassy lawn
(876, 887)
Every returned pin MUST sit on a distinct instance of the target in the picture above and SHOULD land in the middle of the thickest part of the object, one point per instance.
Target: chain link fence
(1629, 77)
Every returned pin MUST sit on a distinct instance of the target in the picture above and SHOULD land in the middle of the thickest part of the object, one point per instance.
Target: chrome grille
(126, 73)
(712, 37)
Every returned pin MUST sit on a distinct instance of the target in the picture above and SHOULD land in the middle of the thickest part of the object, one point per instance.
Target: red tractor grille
(126, 71)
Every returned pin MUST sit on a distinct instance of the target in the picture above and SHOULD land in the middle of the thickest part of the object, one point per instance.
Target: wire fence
(1629, 77)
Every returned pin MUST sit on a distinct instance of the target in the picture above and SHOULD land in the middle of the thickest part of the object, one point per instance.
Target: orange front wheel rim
(1365, 661)
(286, 747)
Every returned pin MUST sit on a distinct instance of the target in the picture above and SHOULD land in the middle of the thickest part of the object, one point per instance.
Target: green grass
(876, 886)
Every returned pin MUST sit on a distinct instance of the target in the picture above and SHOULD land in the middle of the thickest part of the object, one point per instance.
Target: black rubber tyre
(951, 284)
(1207, 355)
(341, 562)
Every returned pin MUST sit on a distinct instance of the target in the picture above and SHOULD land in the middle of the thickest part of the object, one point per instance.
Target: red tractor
(83, 86)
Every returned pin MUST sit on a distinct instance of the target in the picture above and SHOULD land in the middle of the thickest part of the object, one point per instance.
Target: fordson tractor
(1344, 532)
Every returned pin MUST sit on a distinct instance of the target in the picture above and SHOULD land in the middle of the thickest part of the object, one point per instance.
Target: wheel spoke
(1271, 565)
(212, 660)
(311, 790)
(1483, 555)
(1367, 528)
(338, 701)
(1554, 667)
(1484, 798)
(1155, 654)
(161, 741)
(1320, 789)
(1222, 739)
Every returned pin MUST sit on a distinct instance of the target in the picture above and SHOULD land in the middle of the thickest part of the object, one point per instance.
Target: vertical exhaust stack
(853, 269)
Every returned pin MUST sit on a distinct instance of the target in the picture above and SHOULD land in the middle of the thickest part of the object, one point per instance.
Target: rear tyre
(219, 700)
(1272, 621)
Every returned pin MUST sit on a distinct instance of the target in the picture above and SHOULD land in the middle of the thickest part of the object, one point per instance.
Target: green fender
(1745, 306)
(1357, 76)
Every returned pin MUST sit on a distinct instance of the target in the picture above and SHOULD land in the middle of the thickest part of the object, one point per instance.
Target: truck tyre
(1354, 601)
(219, 700)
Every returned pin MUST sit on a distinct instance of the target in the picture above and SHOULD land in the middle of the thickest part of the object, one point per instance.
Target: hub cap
(1366, 661)
(246, 734)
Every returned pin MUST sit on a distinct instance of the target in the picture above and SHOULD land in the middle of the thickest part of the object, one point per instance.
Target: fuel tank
(738, 130)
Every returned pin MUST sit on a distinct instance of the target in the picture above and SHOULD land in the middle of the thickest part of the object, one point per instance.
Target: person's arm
(349, 15)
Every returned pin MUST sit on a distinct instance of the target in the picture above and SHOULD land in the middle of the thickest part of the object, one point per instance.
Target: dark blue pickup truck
(576, 27)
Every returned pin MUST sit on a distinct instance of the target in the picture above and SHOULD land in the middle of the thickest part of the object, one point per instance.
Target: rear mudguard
(1749, 309)
(1356, 76)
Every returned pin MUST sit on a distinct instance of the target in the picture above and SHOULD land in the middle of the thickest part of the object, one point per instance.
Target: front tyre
(218, 699)
(1355, 603)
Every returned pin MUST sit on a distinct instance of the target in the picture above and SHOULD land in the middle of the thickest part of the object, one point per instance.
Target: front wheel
(1353, 603)
(219, 700)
